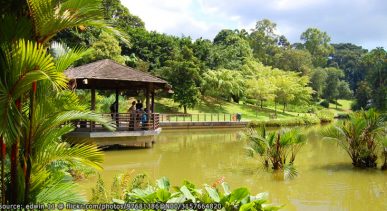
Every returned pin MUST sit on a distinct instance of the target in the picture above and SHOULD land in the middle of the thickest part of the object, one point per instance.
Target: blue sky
(361, 22)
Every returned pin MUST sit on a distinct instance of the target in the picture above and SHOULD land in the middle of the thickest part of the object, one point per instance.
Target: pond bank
(297, 121)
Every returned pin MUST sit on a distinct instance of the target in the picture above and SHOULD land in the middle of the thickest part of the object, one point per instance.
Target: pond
(326, 179)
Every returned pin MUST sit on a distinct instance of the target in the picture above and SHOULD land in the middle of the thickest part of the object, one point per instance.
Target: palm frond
(84, 154)
(64, 56)
(58, 190)
(51, 17)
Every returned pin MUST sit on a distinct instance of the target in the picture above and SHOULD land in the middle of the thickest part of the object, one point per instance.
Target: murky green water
(326, 179)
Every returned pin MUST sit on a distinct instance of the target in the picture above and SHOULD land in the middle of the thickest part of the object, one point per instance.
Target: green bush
(250, 101)
(187, 196)
(325, 115)
(296, 121)
(325, 104)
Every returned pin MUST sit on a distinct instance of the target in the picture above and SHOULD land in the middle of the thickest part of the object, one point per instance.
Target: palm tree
(384, 150)
(359, 137)
(31, 79)
(276, 148)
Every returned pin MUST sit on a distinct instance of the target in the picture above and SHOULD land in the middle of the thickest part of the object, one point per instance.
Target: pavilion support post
(147, 93)
(153, 101)
(92, 106)
(118, 107)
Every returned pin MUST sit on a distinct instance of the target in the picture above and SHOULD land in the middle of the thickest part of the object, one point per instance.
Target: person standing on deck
(132, 113)
(114, 111)
(139, 105)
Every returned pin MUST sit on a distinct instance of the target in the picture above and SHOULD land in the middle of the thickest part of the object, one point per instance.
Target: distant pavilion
(109, 75)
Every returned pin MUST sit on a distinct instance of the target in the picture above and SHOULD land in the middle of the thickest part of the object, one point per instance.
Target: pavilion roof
(107, 74)
(109, 69)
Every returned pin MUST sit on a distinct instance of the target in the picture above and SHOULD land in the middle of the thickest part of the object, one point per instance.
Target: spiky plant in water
(384, 150)
(276, 148)
(359, 137)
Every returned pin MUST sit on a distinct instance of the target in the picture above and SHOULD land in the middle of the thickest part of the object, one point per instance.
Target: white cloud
(358, 21)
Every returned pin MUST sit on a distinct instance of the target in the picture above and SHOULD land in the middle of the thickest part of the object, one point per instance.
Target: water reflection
(326, 180)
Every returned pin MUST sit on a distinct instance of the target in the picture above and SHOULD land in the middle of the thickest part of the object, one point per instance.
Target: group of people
(138, 116)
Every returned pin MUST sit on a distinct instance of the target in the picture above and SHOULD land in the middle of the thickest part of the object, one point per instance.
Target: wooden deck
(137, 130)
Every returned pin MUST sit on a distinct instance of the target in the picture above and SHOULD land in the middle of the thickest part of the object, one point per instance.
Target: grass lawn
(343, 107)
(209, 105)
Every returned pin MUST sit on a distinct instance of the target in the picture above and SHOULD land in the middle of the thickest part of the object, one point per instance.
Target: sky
(361, 22)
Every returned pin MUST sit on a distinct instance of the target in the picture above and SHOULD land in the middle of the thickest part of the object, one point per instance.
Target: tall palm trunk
(14, 171)
(15, 163)
(3, 153)
(27, 147)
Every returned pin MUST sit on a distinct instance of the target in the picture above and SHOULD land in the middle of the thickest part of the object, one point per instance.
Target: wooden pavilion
(109, 75)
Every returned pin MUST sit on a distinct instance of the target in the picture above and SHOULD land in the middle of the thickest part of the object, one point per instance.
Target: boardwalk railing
(124, 122)
(202, 117)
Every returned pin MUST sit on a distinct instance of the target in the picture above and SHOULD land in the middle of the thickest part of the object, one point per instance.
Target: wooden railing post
(154, 121)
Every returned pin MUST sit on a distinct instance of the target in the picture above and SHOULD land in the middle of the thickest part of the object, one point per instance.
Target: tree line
(201, 67)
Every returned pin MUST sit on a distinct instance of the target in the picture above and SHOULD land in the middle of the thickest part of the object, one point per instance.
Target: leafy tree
(183, 74)
(344, 91)
(318, 81)
(202, 51)
(263, 41)
(347, 57)
(375, 64)
(152, 47)
(283, 42)
(107, 47)
(120, 16)
(363, 95)
(260, 89)
(229, 81)
(294, 60)
(331, 90)
(229, 51)
(291, 88)
(317, 43)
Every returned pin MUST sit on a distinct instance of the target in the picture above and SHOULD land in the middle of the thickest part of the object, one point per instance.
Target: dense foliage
(217, 196)
(36, 111)
(333, 71)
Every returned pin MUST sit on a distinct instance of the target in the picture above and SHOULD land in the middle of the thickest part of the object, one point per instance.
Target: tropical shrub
(296, 121)
(325, 115)
(278, 149)
(359, 136)
(384, 151)
(188, 196)
(325, 103)
(128, 188)
(35, 111)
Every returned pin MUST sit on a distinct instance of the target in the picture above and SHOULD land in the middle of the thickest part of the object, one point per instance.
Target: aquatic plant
(384, 149)
(278, 149)
(359, 136)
